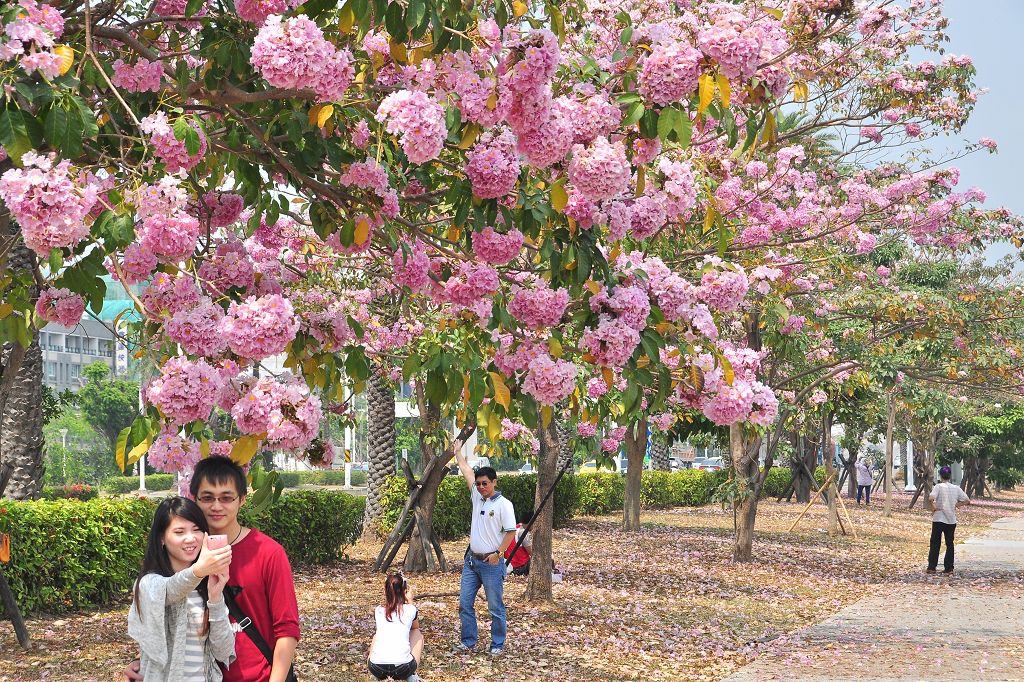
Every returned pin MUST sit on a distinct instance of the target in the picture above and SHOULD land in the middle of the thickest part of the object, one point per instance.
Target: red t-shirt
(260, 567)
(521, 556)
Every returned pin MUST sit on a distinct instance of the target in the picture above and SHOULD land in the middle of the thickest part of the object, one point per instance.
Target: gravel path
(969, 626)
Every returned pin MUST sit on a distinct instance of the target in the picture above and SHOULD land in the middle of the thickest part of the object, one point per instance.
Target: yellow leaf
(727, 371)
(314, 114)
(664, 328)
(609, 377)
(493, 428)
(204, 447)
(67, 58)
(102, 119)
(5, 310)
(593, 286)
(358, 387)
(492, 101)
(557, 22)
(362, 232)
(643, 361)
(705, 92)
(770, 129)
(519, 8)
(347, 19)
(555, 347)
(502, 395)
(709, 219)
(469, 135)
(136, 453)
(614, 255)
(325, 114)
(724, 89)
(398, 53)
(559, 197)
(244, 449)
(641, 180)
(800, 91)
(546, 415)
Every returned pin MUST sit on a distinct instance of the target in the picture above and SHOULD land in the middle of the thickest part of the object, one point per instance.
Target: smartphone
(216, 541)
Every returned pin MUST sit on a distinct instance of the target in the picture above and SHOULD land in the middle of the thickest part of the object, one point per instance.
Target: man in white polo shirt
(492, 531)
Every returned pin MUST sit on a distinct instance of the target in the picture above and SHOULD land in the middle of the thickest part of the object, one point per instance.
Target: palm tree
(380, 399)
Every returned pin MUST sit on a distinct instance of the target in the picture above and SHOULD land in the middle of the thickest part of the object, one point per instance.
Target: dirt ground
(665, 603)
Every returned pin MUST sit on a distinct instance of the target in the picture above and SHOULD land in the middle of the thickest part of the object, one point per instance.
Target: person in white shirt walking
(492, 531)
(864, 481)
(945, 498)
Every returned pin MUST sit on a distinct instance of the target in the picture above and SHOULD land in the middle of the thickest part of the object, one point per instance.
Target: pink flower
(293, 54)
(171, 150)
(229, 266)
(496, 248)
(285, 410)
(419, 120)
(540, 306)
(723, 289)
(680, 188)
(137, 264)
(645, 151)
(412, 269)
(493, 166)
(586, 429)
(550, 381)
(988, 143)
(601, 170)
(185, 391)
(260, 327)
(49, 204)
(142, 76)
(367, 174)
(170, 237)
(171, 453)
(257, 11)
(730, 404)
(670, 73)
(224, 207)
(361, 134)
(612, 343)
(167, 295)
(61, 306)
(736, 52)
(547, 144)
(596, 387)
(197, 329)
(537, 54)
(470, 282)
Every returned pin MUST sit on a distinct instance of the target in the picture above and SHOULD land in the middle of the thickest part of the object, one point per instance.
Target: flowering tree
(574, 213)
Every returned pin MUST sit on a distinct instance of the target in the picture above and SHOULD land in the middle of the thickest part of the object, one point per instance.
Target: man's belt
(483, 557)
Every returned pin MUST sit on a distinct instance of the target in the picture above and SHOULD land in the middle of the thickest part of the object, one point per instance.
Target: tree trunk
(750, 480)
(380, 400)
(832, 490)
(851, 470)
(636, 447)
(806, 460)
(538, 585)
(565, 451)
(422, 555)
(889, 428)
(659, 453)
(904, 462)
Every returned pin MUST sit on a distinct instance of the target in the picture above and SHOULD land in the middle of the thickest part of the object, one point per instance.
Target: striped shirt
(944, 497)
(195, 662)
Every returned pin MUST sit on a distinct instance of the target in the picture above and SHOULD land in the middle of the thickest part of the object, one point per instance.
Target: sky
(991, 32)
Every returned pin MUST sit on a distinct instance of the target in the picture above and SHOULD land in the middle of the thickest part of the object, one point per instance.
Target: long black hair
(156, 560)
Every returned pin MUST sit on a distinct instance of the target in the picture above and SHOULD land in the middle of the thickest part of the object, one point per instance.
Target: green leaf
(14, 135)
(649, 124)
(666, 123)
(416, 13)
(410, 367)
(192, 142)
(684, 129)
(634, 113)
(193, 6)
(181, 128)
(56, 261)
(394, 21)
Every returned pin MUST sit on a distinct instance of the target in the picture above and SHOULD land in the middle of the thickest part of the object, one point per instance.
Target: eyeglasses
(481, 484)
(210, 499)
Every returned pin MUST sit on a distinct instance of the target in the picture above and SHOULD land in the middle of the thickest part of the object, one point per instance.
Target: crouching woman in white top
(397, 645)
(178, 616)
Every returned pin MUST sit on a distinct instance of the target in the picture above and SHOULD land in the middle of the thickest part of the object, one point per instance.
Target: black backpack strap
(245, 623)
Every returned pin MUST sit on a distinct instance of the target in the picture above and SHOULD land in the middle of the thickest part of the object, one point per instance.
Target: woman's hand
(212, 561)
(215, 585)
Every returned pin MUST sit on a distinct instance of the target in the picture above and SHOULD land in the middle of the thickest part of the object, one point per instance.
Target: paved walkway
(932, 628)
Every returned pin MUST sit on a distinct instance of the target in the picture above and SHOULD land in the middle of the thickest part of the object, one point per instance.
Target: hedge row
(70, 491)
(119, 485)
(451, 520)
(293, 479)
(68, 554)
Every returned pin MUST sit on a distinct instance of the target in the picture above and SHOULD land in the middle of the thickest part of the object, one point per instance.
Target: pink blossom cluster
(412, 270)
(514, 356)
(645, 151)
(663, 421)
(496, 248)
(172, 453)
(260, 327)
(142, 76)
(197, 329)
(536, 59)
(581, 209)
(492, 166)
(670, 73)
(228, 266)
(360, 134)
(170, 237)
(550, 381)
(367, 174)
(61, 306)
(540, 306)
(419, 119)
(293, 54)
(257, 11)
(586, 429)
(48, 202)
(680, 188)
(283, 409)
(593, 116)
(547, 144)
(630, 303)
(185, 391)
(469, 283)
(167, 295)
(511, 430)
(170, 149)
(480, 100)
(596, 387)
(612, 342)
(613, 440)
(31, 35)
(735, 51)
(601, 170)
(723, 289)
(224, 207)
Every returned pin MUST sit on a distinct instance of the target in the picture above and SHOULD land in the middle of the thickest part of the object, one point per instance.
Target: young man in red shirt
(259, 566)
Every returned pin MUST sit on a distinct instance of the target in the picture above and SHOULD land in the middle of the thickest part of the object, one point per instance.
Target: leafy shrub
(599, 493)
(777, 482)
(70, 491)
(120, 485)
(452, 510)
(293, 479)
(68, 555)
(313, 526)
(686, 488)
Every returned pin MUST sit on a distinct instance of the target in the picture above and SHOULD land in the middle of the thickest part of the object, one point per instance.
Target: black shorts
(382, 671)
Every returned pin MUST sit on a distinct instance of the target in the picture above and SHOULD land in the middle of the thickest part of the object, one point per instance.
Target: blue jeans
(474, 574)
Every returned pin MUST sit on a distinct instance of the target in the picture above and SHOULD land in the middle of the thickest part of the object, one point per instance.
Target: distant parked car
(474, 463)
(677, 463)
(526, 469)
(710, 464)
(361, 466)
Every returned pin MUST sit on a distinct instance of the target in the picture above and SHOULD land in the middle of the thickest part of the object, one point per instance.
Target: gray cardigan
(161, 630)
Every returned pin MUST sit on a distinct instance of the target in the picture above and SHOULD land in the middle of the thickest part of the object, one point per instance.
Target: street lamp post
(64, 455)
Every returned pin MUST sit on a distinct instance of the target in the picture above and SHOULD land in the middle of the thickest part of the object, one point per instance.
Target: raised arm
(467, 471)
